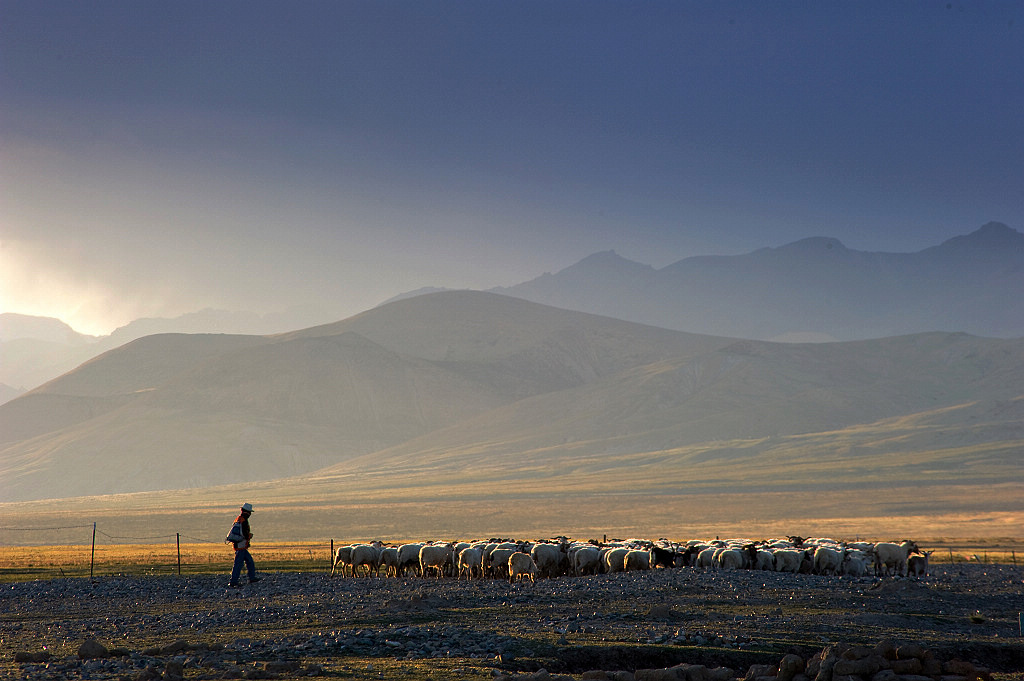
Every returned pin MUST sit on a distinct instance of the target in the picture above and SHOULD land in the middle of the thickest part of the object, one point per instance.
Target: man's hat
(247, 507)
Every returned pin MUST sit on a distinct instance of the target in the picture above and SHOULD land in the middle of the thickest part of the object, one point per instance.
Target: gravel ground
(298, 624)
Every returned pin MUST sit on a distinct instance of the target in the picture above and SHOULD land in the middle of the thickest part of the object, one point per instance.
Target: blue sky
(160, 158)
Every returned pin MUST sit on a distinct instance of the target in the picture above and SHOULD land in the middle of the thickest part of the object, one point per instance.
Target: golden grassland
(19, 563)
(905, 477)
(585, 516)
(531, 511)
(772, 489)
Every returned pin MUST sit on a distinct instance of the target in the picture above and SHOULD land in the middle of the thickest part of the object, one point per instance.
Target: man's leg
(236, 570)
(250, 566)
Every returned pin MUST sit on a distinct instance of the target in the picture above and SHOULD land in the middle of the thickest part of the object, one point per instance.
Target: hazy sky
(158, 158)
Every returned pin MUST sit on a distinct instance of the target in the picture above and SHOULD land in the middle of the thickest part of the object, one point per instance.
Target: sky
(159, 158)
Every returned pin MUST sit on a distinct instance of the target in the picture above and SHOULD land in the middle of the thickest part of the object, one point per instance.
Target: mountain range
(808, 291)
(454, 412)
(463, 388)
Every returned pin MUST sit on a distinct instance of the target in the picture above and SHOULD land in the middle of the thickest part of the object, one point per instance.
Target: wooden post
(331, 560)
(950, 556)
(1013, 557)
(178, 542)
(92, 559)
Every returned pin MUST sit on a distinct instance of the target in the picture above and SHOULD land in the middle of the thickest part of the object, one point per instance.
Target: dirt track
(569, 625)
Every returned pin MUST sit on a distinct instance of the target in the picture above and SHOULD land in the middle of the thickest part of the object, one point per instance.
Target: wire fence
(44, 529)
(90, 551)
(87, 550)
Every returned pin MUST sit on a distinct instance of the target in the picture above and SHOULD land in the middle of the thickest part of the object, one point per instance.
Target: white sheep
(706, 558)
(366, 555)
(730, 559)
(408, 558)
(521, 565)
(457, 548)
(889, 555)
(636, 560)
(342, 557)
(587, 561)
(470, 562)
(855, 564)
(497, 562)
(788, 560)
(435, 557)
(827, 561)
(615, 559)
(551, 559)
(389, 561)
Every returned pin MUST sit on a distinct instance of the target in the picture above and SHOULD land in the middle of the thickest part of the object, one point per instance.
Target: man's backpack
(235, 535)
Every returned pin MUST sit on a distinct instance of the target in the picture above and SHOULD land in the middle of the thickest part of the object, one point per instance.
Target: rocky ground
(293, 625)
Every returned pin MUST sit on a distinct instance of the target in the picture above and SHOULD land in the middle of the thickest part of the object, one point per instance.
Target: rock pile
(884, 662)
(887, 662)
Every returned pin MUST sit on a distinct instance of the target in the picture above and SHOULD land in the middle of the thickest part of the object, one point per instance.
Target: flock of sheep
(515, 560)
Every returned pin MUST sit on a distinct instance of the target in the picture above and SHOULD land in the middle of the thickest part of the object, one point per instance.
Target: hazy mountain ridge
(748, 392)
(37, 349)
(470, 384)
(814, 289)
(813, 286)
(19, 326)
(208, 409)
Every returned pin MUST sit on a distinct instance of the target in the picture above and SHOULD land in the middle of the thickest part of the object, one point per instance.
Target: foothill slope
(459, 411)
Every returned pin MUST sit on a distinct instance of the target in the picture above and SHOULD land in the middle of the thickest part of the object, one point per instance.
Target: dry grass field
(19, 563)
(296, 520)
(319, 511)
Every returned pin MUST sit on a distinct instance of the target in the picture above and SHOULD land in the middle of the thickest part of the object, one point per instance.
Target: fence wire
(44, 529)
(150, 538)
(110, 554)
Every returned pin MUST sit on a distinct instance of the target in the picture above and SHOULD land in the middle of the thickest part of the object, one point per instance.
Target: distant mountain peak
(609, 258)
(602, 256)
(814, 244)
(995, 228)
(412, 294)
(591, 273)
(996, 232)
(992, 235)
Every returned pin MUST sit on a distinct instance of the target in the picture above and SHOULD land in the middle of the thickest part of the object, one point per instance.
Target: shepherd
(241, 545)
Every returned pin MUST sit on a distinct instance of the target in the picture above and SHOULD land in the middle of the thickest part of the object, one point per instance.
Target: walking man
(242, 554)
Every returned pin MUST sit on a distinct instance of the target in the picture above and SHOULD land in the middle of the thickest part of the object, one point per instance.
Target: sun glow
(29, 285)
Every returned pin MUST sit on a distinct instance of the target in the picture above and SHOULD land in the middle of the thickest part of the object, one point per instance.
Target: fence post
(92, 558)
(331, 560)
(178, 542)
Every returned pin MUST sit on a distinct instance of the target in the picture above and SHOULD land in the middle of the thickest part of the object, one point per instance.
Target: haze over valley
(463, 391)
